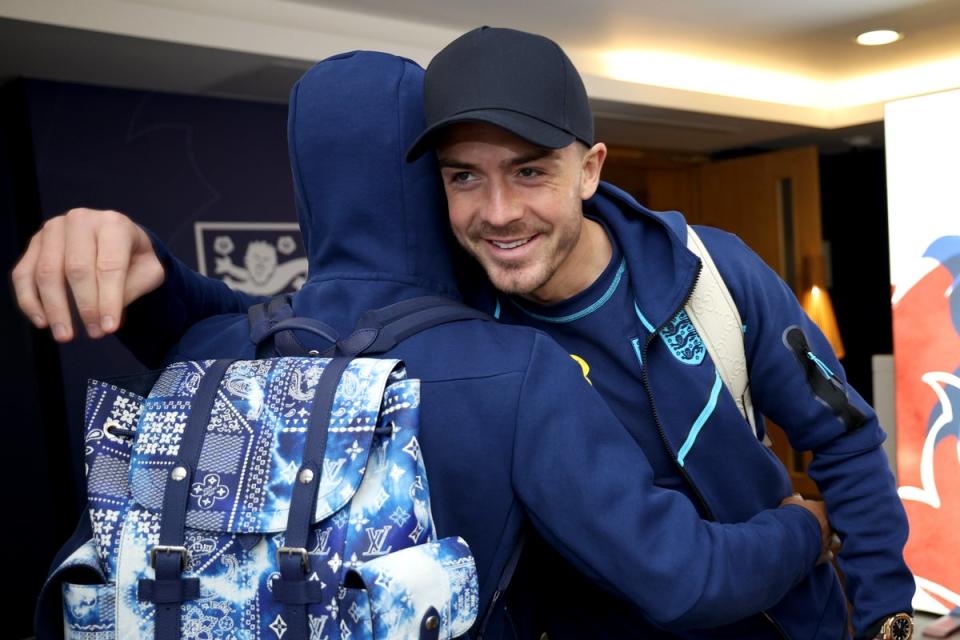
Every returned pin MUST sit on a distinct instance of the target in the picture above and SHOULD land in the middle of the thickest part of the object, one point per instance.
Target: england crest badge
(260, 258)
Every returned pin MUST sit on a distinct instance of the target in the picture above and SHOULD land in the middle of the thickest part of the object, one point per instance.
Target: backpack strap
(169, 589)
(377, 331)
(261, 317)
(714, 314)
(293, 587)
(382, 329)
(272, 324)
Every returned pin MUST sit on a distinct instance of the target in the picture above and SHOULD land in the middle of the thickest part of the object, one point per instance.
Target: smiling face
(517, 208)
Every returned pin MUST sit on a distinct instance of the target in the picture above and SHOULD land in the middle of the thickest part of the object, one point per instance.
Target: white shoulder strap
(715, 316)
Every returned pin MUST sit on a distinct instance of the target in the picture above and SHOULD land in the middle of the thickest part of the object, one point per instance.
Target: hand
(103, 256)
(829, 541)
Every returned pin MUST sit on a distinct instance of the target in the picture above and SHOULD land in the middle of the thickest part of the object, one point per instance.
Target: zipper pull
(824, 369)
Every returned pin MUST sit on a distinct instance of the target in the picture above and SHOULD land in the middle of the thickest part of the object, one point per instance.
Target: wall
(168, 161)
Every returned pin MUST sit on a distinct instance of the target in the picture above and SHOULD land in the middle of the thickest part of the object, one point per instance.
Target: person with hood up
(512, 434)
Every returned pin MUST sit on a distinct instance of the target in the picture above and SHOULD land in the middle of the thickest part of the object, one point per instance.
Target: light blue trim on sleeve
(496, 312)
(643, 319)
(602, 300)
(701, 419)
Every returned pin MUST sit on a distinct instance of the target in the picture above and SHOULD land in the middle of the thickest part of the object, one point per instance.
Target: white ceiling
(696, 75)
(807, 36)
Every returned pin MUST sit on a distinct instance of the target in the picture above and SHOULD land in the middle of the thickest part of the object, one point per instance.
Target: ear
(592, 163)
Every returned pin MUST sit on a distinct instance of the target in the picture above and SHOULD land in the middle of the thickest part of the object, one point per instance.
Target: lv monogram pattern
(372, 517)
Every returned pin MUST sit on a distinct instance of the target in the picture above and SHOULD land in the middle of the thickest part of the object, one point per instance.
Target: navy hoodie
(795, 380)
(512, 435)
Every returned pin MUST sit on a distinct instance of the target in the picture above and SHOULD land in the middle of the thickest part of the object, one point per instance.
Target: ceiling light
(692, 73)
(878, 37)
(859, 141)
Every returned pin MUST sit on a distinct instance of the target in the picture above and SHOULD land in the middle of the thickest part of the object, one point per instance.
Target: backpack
(714, 315)
(282, 497)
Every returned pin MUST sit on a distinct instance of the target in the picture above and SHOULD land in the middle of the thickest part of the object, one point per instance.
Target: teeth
(511, 245)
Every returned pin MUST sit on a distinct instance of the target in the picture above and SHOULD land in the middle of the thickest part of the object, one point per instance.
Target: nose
(502, 206)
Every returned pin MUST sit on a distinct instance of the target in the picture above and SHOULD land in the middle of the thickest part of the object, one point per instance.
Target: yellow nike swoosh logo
(583, 367)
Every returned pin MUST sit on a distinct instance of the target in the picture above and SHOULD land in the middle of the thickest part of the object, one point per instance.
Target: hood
(364, 211)
(654, 242)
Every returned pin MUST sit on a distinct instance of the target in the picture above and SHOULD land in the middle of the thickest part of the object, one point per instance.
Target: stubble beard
(522, 277)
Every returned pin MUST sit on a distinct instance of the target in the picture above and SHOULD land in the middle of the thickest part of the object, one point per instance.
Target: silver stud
(313, 353)
(306, 476)
(178, 473)
(432, 623)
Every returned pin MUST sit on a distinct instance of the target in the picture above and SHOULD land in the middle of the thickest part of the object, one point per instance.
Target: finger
(80, 259)
(50, 281)
(114, 245)
(25, 285)
(146, 272)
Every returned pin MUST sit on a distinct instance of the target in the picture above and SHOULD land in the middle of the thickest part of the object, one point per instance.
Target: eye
(529, 172)
(462, 177)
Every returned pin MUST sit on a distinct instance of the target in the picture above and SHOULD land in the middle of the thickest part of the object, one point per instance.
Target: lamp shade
(816, 302)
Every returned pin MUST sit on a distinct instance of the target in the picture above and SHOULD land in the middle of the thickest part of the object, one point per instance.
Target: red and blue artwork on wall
(927, 347)
(922, 142)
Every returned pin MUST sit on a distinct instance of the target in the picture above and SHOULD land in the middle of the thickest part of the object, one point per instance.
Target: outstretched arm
(120, 278)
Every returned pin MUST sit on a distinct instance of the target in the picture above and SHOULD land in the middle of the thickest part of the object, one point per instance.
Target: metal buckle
(295, 551)
(168, 549)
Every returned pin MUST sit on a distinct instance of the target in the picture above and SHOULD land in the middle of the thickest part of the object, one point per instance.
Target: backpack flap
(402, 591)
(254, 441)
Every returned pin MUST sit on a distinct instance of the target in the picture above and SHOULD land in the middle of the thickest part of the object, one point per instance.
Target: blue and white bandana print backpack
(281, 498)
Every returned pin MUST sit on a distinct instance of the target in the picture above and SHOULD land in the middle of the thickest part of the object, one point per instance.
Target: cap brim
(527, 127)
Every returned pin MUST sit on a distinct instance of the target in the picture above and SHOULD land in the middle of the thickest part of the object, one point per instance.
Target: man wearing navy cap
(508, 117)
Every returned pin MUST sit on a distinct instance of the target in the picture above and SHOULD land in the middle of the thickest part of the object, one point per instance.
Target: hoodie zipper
(653, 406)
(663, 436)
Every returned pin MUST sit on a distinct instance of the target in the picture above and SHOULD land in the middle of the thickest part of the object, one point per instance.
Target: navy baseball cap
(519, 81)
